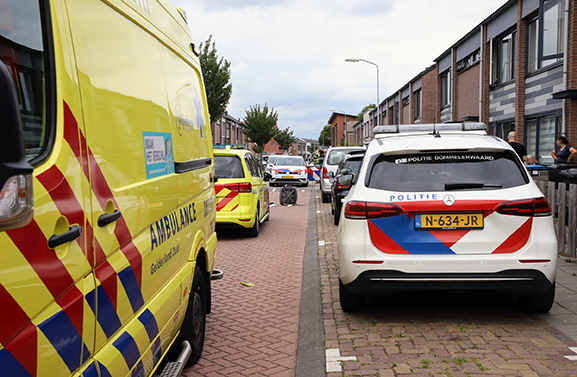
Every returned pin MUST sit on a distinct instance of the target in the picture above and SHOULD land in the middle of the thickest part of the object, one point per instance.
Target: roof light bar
(428, 128)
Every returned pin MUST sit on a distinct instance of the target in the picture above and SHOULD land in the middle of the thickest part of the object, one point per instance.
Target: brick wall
(406, 117)
(430, 97)
(467, 95)
(520, 69)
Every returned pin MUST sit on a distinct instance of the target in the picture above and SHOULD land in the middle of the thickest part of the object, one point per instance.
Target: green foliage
(285, 138)
(364, 110)
(325, 137)
(342, 142)
(311, 148)
(216, 74)
(260, 126)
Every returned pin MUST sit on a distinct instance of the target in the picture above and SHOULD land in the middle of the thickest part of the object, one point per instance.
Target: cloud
(290, 54)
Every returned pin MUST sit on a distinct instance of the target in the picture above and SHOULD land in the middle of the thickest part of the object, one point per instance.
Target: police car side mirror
(16, 199)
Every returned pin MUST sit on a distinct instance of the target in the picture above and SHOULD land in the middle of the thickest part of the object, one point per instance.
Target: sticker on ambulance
(158, 154)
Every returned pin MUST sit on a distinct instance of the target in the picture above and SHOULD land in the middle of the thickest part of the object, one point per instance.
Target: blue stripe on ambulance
(65, 339)
(131, 287)
(402, 231)
(106, 315)
(128, 348)
(91, 371)
(103, 371)
(11, 366)
(151, 326)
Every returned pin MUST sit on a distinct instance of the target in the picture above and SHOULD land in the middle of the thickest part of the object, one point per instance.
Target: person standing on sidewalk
(518, 147)
(564, 153)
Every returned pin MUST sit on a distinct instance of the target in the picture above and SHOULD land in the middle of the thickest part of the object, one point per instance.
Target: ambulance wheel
(351, 302)
(194, 325)
(325, 198)
(268, 212)
(254, 231)
(540, 303)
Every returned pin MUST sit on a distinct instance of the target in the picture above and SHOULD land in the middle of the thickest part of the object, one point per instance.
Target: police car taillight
(537, 207)
(16, 202)
(355, 210)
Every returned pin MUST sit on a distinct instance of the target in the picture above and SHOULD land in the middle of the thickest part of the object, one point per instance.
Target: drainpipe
(565, 63)
(482, 67)
(453, 72)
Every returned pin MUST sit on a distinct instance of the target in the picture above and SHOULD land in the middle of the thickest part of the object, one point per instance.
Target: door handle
(74, 232)
(107, 218)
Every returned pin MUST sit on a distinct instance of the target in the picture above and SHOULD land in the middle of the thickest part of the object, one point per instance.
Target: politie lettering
(413, 197)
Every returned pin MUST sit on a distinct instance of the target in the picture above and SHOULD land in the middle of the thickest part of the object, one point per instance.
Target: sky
(290, 54)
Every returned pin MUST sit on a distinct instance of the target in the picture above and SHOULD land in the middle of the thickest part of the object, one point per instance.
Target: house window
(504, 128)
(546, 35)
(503, 59)
(417, 109)
(392, 115)
(469, 61)
(397, 113)
(540, 137)
(446, 89)
(532, 45)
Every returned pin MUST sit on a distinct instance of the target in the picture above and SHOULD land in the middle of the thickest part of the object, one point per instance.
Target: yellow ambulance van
(107, 202)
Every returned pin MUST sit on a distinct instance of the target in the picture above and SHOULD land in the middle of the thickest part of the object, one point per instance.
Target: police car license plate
(288, 177)
(449, 221)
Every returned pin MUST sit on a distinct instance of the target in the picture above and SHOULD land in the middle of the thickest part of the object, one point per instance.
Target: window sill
(445, 107)
(499, 86)
(544, 69)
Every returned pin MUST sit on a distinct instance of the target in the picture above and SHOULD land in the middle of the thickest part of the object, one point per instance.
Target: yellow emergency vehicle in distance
(107, 203)
(242, 194)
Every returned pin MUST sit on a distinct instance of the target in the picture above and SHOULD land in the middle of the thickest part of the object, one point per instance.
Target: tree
(285, 138)
(260, 126)
(364, 110)
(311, 148)
(325, 137)
(216, 73)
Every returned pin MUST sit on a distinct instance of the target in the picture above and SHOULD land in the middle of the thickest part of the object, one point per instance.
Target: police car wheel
(194, 325)
(326, 198)
(351, 302)
(540, 303)
(254, 231)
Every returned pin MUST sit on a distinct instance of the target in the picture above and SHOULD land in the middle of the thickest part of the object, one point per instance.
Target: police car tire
(325, 198)
(255, 230)
(351, 302)
(540, 303)
(194, 325)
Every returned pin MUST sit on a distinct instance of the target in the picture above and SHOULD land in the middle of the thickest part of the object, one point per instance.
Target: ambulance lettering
(171, 224)
(160, 262)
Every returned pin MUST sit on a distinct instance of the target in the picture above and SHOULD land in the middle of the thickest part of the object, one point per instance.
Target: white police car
(445, 207)
(289, 170)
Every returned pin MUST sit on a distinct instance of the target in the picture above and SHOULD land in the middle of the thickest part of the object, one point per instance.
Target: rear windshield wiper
(465, 186)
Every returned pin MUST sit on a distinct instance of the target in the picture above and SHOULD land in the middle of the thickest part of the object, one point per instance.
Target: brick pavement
(435, 334)
(253, 331)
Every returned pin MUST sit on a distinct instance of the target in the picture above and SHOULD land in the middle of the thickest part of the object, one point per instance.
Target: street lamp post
(353, 60)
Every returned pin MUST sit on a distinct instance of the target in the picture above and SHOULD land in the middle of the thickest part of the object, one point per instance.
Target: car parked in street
(343, 180)
(330, 164)
(289, 170)
(445, 208)
(242, 196)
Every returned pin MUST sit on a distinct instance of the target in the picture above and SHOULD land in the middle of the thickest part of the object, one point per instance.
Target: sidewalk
(563, 315)
(253, 331)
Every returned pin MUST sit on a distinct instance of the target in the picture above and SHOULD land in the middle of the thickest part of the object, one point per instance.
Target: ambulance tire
(540, 303)
(351, 302)
(255, 230)
(194, 325)
(268, 212)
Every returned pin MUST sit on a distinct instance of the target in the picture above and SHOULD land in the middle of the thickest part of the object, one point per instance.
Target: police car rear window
(438, 171)
(228, 167)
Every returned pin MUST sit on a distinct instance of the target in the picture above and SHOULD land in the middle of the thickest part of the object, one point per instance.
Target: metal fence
(563, 200)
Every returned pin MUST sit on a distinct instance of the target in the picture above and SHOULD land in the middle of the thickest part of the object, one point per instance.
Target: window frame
(537, 119)
(49, 112)
(541, 25)
(445, 93)
(497, 62)
(418, 105)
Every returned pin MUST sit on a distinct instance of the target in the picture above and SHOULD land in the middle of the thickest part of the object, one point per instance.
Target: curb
(310, 354)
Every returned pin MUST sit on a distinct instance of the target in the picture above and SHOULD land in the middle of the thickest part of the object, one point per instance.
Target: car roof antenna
(435, 132)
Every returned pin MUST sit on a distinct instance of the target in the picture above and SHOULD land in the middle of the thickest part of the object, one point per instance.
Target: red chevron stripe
(15, 321)
(34, 247)
(101, 190)
(224, 201)
(383, 242)
(516, 240)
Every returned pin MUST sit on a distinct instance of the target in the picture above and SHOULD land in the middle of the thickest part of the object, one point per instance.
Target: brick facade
(466, 102)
